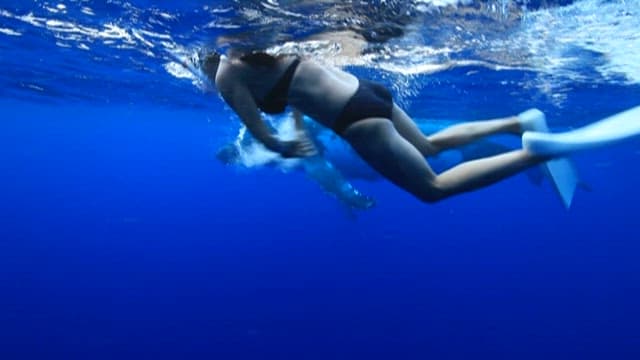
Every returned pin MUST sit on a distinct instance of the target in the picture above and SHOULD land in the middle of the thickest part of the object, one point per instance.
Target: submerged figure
(364, 114)
(247, 152)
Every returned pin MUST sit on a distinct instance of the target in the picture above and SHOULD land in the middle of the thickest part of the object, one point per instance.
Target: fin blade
(564, 177)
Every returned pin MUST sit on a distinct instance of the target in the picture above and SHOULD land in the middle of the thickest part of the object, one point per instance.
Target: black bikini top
(276, 100)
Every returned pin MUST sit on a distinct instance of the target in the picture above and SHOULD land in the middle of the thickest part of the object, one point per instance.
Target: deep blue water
(122, 236)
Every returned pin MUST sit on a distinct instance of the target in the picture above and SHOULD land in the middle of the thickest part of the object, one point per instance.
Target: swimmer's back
(320, 91)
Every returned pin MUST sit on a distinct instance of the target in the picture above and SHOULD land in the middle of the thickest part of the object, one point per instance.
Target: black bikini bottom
(371, 100)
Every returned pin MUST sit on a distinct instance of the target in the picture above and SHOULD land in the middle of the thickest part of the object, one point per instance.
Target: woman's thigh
(409, 130)
(380, 144)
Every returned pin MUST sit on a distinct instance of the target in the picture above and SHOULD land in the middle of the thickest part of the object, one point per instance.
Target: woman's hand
(301, 147)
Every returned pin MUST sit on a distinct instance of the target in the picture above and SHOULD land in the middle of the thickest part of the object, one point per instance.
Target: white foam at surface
(87, 11)
(139, 36)
(545, 41)
(606, 27)
(53, 10)
(167, 16)
(35, 87)
(183, 67)
(69, 31)
(155, 34)
(9, 32)
(179, 71)
(442, 3)
(589, 41)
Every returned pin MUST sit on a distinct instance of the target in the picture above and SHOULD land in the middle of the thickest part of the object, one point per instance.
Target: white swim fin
(561, 171)
(618, 127)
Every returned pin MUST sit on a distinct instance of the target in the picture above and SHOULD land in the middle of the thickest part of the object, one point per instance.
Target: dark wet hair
(210, 62)
(209, 65)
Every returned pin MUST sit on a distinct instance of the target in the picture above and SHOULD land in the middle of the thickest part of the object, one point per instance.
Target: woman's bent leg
(453, 136)
(380, 144)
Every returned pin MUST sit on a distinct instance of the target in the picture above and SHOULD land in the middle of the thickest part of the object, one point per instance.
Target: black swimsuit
(276, 99)
(369, 101)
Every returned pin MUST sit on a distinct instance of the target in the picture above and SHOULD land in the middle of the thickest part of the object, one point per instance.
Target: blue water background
(122, 236)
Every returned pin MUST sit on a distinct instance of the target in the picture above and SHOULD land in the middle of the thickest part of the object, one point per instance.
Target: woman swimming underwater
(364, 114)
